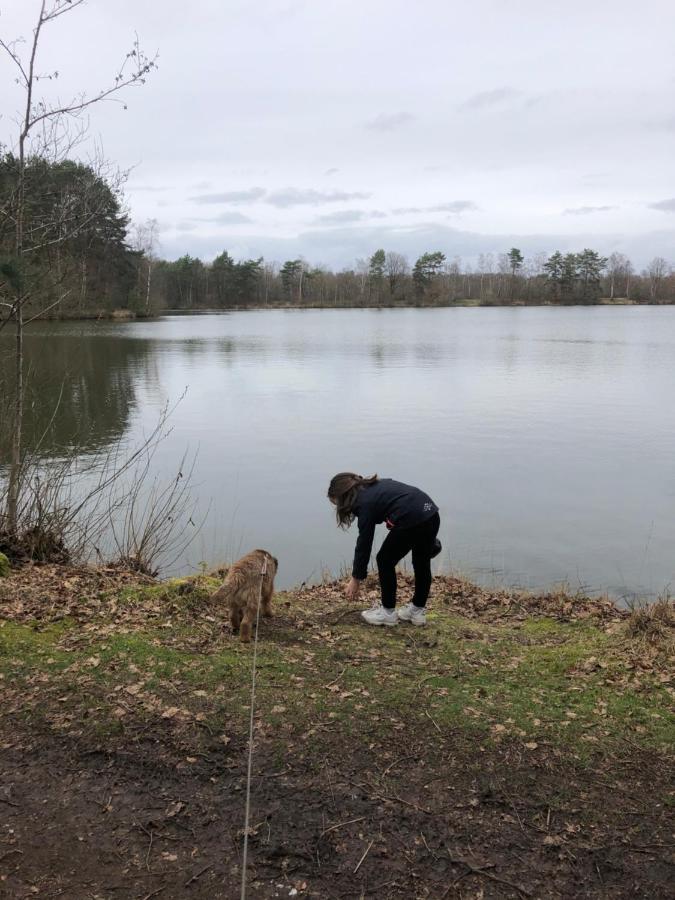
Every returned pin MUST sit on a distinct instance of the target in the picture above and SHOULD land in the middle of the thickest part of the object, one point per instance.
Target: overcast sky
(329, 128)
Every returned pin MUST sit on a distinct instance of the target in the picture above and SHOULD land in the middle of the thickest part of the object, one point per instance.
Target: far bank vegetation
(88, 260)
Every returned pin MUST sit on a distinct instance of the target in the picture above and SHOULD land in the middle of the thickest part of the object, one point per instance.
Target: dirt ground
(416, 804)
(434, 822)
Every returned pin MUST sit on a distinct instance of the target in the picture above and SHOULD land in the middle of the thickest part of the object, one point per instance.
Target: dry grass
(654, 623)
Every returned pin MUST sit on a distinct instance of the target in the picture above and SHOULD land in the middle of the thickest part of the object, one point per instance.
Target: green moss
(524, 680)
(24, 647)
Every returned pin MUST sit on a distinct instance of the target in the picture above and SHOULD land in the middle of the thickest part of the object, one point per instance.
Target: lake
(546, 435)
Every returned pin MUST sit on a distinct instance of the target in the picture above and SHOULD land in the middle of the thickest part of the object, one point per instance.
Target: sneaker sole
(388, 624)
(411, 622)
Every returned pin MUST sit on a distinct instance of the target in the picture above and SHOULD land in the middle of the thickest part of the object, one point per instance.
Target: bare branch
(14, 56)
(61, 7)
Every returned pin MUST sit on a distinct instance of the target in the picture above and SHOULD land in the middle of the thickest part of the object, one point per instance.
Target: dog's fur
(242, 588)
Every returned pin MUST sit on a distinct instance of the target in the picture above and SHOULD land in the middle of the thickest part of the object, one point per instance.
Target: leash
(250, 736)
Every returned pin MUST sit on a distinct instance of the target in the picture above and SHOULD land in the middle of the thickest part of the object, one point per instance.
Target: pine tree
(427, 266)
(376, 273)
(590, 266)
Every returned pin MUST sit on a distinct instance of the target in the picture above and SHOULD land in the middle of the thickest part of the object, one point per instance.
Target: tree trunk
(147, 288)
(83, 283)
(14, 480)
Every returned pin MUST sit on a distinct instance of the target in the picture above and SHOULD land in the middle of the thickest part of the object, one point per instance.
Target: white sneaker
(416, 615)
(378, 615)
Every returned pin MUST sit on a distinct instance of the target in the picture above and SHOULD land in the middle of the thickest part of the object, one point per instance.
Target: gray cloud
(282, 199)
(232, 218)
(342, 217)
(229, 217)
(233, 197)
(332, 171)
(664, 205)
(309, 197)
(389, 121)
(343, 245)
(487, 99)
(345, 216)
(455, 207)
(586, 210)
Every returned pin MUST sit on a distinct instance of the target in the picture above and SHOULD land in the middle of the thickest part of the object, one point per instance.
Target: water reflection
(80, 392)
(545, 434)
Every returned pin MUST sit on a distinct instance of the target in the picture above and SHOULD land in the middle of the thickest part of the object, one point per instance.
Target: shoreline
(123, 315)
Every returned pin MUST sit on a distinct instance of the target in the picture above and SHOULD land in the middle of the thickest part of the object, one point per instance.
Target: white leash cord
(250, 738)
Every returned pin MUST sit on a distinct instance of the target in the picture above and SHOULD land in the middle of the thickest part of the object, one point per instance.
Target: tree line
(83, 257)
(387, 278)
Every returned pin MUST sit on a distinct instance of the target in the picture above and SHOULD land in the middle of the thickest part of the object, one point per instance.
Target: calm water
(547, 436)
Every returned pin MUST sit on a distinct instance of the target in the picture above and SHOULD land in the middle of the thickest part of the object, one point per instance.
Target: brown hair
(343, 491)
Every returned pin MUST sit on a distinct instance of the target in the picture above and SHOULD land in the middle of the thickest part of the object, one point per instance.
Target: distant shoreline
(465, 304)
(127, 315)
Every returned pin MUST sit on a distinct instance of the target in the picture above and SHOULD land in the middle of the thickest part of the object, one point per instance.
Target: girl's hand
(353, 589)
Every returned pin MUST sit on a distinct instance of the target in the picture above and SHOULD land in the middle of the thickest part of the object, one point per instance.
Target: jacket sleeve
(364, 545)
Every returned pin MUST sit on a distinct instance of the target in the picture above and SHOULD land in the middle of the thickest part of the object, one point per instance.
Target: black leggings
(419, 539)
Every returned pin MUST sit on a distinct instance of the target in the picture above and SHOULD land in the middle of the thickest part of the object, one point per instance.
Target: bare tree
(396, 269)
(656, 272)
(47, 128)
(618, 267)
(145, 240)
(270, 271)
(362, 273)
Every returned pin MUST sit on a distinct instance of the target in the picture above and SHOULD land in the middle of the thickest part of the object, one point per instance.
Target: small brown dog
(242, 588)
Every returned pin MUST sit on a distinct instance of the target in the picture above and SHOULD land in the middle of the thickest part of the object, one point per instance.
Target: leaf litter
(516, 724)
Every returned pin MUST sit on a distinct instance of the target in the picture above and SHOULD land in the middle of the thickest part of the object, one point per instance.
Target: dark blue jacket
(399, 505)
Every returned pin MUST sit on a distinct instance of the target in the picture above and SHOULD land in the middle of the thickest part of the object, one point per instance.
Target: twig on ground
(153, 893)
(341, 616)
(433, 721)
(150, 835)
(426, 678)
(378, 887)
(341, 825)
(477, 870)
(197, 875)
(427, 812)
(395, 763)
(335, 680)
(9, 802)
(364, 856)
(429, 850)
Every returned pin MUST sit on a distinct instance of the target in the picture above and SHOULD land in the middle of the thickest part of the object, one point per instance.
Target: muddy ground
(340, 821)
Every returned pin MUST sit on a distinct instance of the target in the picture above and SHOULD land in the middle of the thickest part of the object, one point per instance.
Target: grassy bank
(511, 748)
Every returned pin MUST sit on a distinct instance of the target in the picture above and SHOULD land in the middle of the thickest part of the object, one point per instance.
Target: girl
(413, 522)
